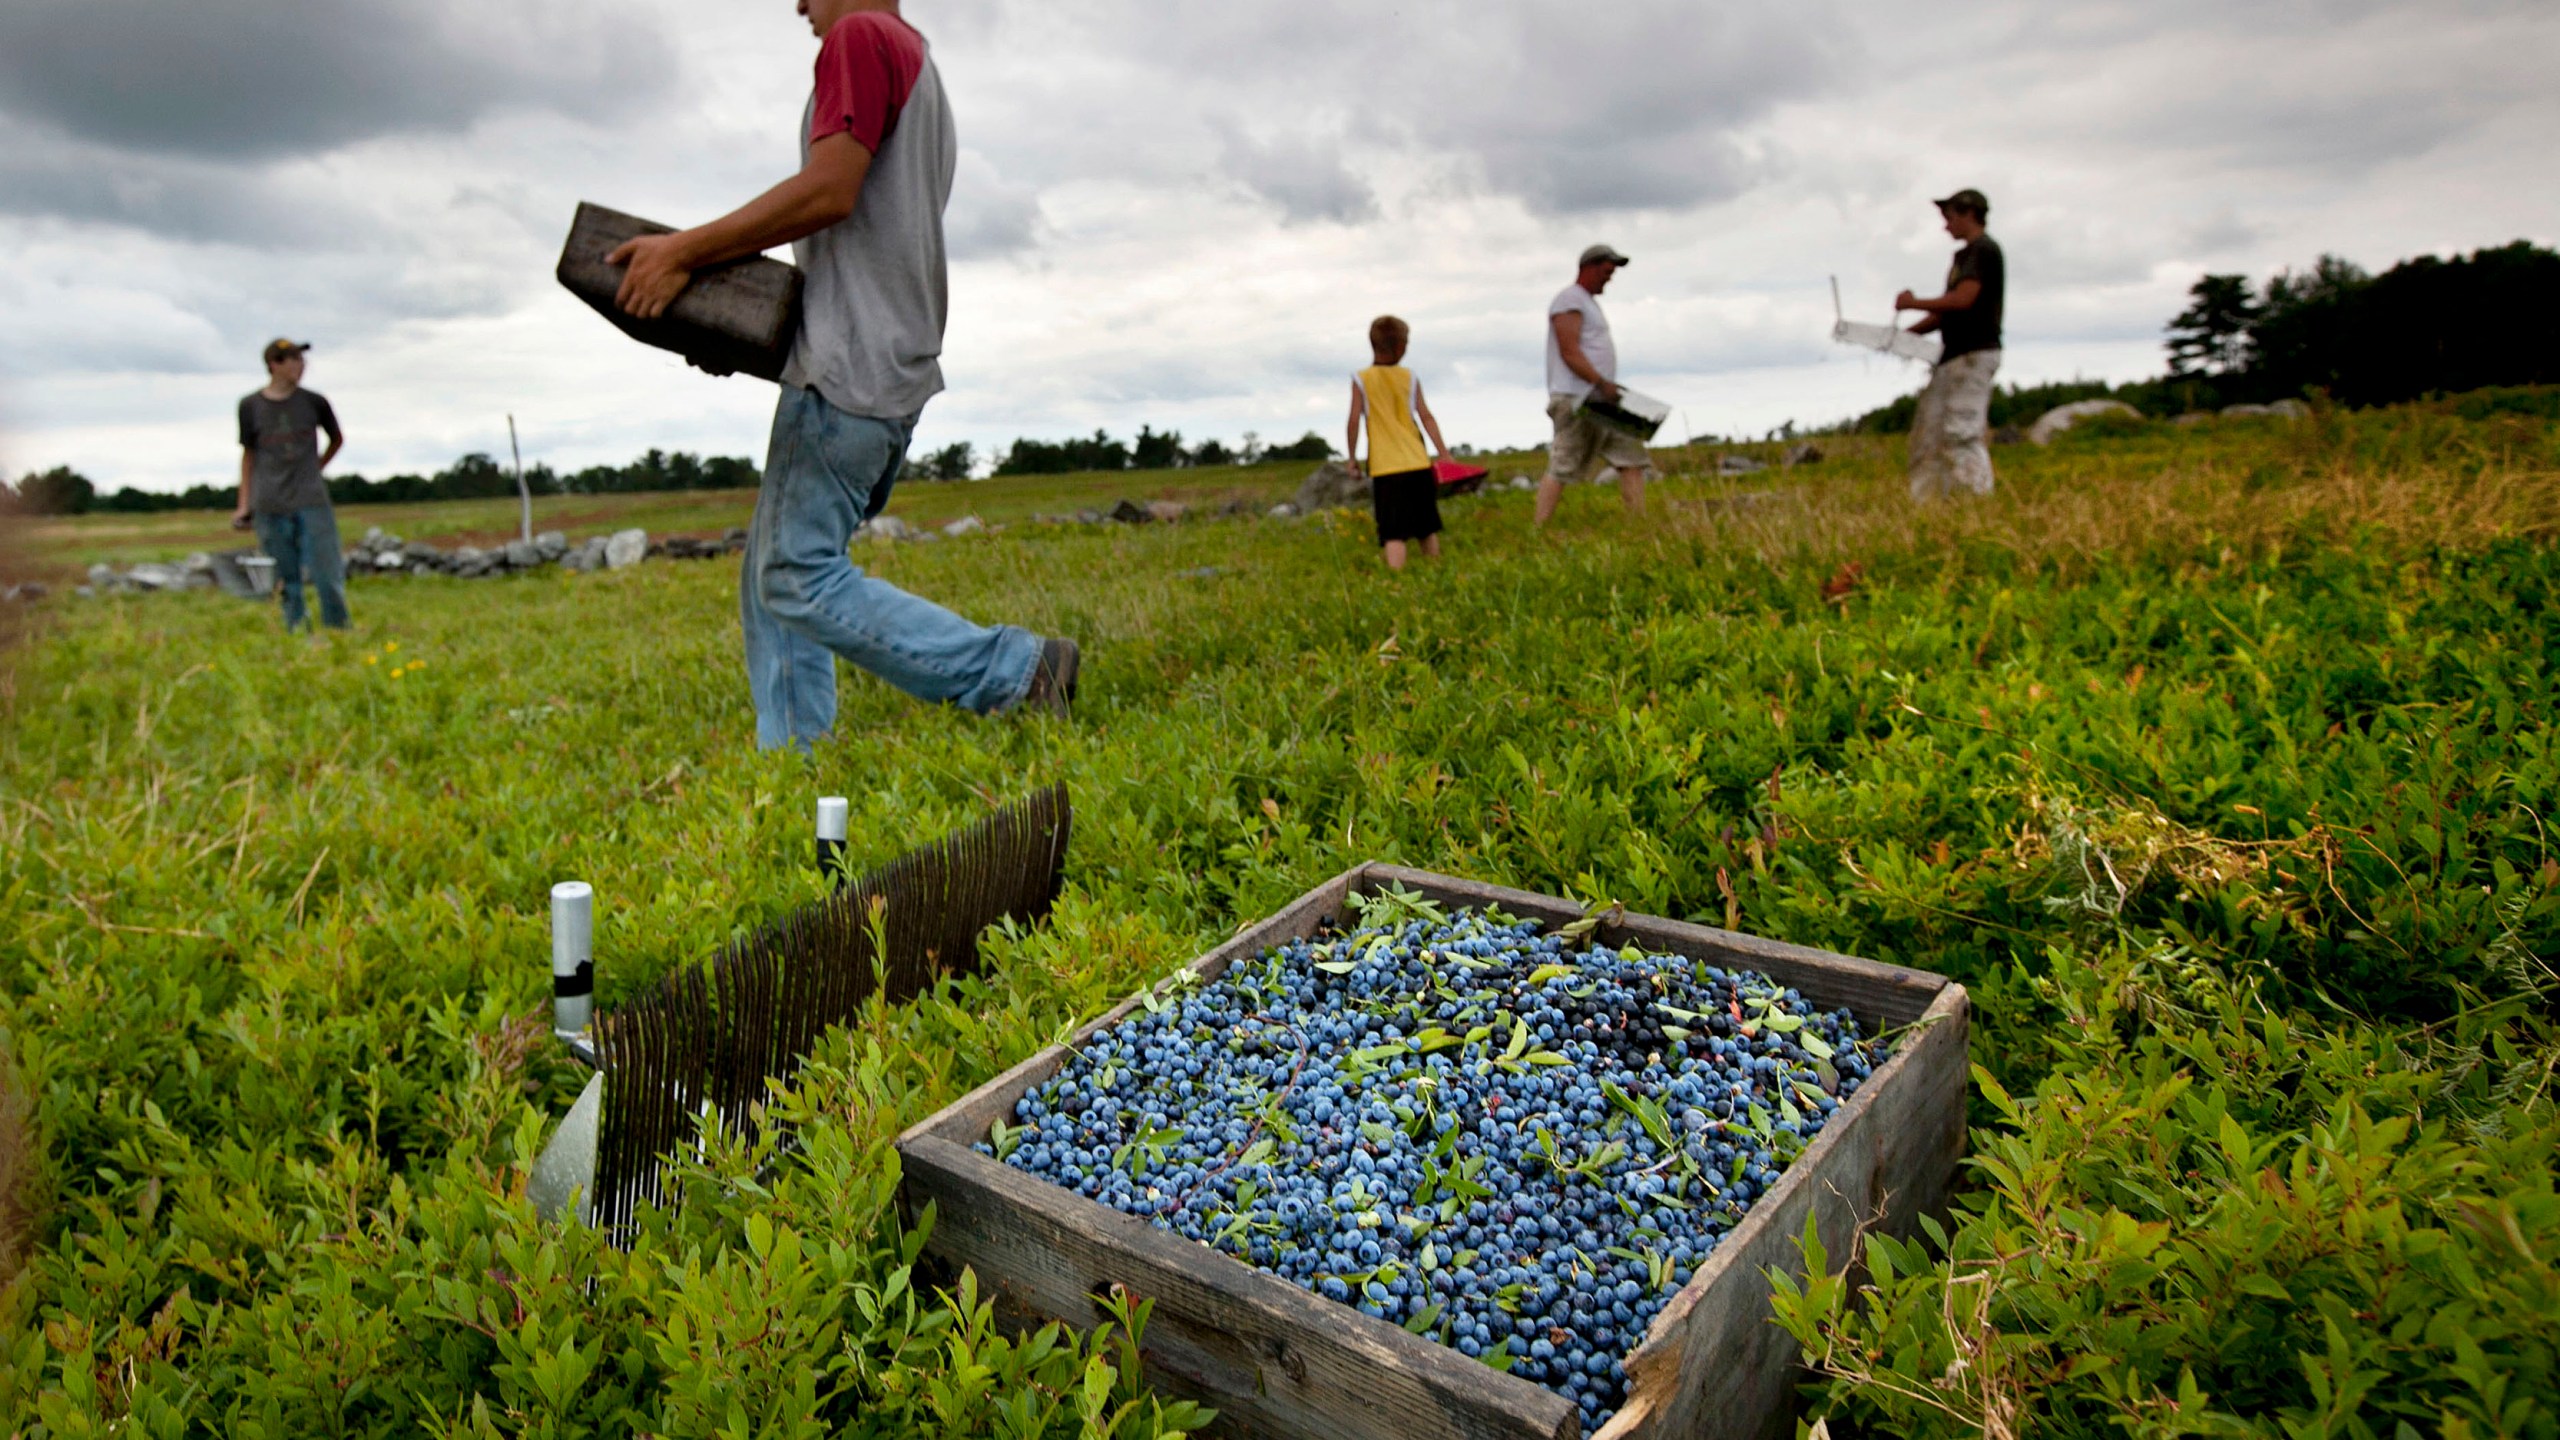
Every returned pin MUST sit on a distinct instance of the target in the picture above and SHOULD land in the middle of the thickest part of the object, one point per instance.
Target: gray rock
(1205, 572)
(1090, 517)
(1521, 482)
(27, 593)
(524, 555)
(1804, 453)
(85, 592)
(199, 563)
(552, 543)
(1167, 512)
(1130, 512)
(965, 525)
(2062, 417)
(886, 530)
(2192, 419)
(1331, 486)
(422, 556)
(1738, 465)
(372, 536)
(151, 575)
(2246, 412)
(391, 560)
(2291, 409)
(625, 549)
(1285, 510)
(103, 575)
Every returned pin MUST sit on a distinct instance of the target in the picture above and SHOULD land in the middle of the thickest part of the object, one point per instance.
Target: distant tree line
(2424, 327)
(1151, 450)
(64, 491)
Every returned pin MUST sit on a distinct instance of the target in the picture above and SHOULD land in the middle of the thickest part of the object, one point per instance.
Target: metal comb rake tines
(715, 1036)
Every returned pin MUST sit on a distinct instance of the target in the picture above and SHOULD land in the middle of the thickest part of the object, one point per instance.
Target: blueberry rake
(713, 1037)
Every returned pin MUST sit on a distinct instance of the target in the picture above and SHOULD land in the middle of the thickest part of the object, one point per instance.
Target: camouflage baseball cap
(1967, 199)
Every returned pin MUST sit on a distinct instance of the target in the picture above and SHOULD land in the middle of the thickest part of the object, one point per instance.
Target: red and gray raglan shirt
(877, 289)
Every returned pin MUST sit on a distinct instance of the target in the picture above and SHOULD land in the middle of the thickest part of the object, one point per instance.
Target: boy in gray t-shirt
(281, 490)
(864, 215)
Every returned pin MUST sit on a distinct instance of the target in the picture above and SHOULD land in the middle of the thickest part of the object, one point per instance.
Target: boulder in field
(2246, 412)
(1167, 512)
(626, 549)
(1331, 486)
(965, 525)
(2291, 409)
(2062, 417)
(524, 555)
(1130, 512)
(552, 543)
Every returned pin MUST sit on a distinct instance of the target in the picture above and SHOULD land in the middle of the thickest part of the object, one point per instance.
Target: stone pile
(382, 553)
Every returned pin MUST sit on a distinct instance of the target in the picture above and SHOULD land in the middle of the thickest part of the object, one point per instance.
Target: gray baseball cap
(1599, 253)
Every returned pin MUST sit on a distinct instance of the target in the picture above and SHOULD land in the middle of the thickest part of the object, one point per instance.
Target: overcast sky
(1186, 214)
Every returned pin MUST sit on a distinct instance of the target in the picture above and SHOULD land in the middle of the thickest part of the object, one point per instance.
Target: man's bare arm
(1569, 344)
(248, 461)
(822, 194)
(1351, 439)
(337, 442)
(1960, 298)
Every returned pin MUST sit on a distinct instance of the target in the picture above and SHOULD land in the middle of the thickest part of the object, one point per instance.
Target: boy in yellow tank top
(1404, 491)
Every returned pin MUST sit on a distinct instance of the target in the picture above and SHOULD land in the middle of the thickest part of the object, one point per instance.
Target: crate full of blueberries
(1422, 1157)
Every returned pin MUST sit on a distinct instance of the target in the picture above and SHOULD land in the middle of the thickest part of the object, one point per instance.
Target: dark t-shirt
(283, 440)
(1978, 327)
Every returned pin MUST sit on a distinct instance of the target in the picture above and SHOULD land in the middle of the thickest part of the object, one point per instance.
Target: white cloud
(1186, 216)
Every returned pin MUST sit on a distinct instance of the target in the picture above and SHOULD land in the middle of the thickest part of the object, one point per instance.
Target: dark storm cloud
(262, 78)
(1631, 107)
(1303, 174)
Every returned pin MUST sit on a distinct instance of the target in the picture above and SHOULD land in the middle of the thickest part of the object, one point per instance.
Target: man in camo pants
(1950, 449)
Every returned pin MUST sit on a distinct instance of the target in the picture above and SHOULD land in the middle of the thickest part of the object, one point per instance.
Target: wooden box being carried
(1276, 1360)
(736, 318)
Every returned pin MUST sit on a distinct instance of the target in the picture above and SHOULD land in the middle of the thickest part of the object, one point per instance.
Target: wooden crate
(1276, 1360)
(739, 318)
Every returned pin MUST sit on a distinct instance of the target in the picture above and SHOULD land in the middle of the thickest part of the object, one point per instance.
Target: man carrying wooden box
(864, 217)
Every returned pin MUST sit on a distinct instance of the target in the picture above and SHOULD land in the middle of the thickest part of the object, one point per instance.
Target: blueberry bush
(2216, 762)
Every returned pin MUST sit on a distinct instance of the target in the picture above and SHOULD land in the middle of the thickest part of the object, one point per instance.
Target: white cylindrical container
(834, 814)
(573, 958)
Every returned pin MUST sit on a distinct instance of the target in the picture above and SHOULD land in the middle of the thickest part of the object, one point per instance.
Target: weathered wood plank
(740, 317)
(1272, 1358)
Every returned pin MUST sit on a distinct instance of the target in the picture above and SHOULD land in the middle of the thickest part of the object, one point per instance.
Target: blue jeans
(304, 545)
(802, 601)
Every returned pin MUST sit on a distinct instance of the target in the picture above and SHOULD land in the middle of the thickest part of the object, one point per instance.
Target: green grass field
(2218, 763)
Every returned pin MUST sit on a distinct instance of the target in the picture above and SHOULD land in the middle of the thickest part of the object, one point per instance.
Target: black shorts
(1407, 505)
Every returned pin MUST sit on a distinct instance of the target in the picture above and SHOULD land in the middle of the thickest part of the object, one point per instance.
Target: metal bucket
(261, 573)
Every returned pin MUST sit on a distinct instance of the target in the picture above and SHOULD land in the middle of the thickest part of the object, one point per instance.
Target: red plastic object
(1457, 479)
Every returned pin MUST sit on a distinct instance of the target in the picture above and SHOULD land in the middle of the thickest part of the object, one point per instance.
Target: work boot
(1053, 679)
